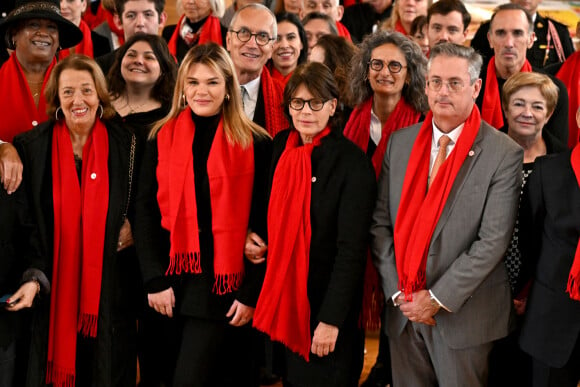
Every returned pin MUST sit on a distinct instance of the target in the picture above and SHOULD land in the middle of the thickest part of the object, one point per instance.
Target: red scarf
(283, 309)
(419, 212)
(491, 111)
(80, 214)
(279, 77)
(119, 33)
(273, 93)
(94, 20)
(85, 47)
(343, 31)
(210, 32)
(358, 127)
(17, 107)
(230, 170)
(569, 75)
(358, 131)
(573, 287)
(399, 28)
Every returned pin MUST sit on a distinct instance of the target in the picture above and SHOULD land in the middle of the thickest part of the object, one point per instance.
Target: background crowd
(236, 199)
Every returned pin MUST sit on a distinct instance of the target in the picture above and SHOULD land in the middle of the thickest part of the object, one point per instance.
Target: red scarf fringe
(85, 47)
(571, 77)
(210, 32)
(573, 287)
(231, 174)
(419, 211)
(273, 93)
(491, 111)
(283, 309)
(80, 215)
(17, 107)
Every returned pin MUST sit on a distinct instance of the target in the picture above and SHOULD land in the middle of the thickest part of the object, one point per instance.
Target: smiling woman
(290, 47)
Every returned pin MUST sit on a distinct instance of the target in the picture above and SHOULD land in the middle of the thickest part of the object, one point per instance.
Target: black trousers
(567, 376)
(216, 354)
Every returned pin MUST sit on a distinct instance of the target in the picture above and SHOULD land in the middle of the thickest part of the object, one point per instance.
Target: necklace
(134, 109)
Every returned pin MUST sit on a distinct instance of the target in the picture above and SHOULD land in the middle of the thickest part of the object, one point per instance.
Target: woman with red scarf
(93, 44)
(404, 12)
(201, 189)
(199, 24)
(388, 87)
(84, 294)
(290, 47)
(322, 193)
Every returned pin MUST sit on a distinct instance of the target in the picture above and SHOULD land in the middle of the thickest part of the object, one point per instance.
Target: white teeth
(44, 44)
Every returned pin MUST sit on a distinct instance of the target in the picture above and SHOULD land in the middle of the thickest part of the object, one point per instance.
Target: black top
(360, 19)
(194, 296)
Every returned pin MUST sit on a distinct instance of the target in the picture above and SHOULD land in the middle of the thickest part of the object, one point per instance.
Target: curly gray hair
(413, 90)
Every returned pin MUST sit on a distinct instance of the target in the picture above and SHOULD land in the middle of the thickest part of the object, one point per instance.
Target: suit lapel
(458, 184)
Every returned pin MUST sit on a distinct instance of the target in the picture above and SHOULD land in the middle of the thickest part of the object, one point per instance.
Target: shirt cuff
(439, 302)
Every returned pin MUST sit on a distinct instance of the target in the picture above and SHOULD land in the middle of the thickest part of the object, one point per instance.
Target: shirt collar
(252, 88)
(453, 135)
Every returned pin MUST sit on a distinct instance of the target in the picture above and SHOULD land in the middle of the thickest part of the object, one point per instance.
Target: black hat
(69, 35)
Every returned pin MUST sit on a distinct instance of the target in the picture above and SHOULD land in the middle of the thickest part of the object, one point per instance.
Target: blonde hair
(391, 22)
(239, 129)
(540, 81)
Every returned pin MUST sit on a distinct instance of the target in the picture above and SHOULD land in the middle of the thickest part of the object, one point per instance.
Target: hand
(520, 306)
(125, 236)
(420, 309)
(242, 314)
(10, 168)
(23, 297)
(255, 248)
(163, 302)
(324, 339)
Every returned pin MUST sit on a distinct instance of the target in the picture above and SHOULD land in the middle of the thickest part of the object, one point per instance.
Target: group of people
(193, 205)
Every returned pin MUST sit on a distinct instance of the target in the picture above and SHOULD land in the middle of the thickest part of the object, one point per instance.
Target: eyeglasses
(244, 35)
(393, 66)
(454, 85)
(315, 104)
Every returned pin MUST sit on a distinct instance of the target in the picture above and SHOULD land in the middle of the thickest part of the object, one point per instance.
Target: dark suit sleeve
(254, 276)
(355, 208)
(151, 240)
(480, 43)
(557, 125)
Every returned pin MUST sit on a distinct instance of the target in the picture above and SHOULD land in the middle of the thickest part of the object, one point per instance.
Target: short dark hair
(163, 88)
(445, 7)
(512, 7)
(291, 18)
(120, 6)
(321, 16)
(319, 81)
(418, 23)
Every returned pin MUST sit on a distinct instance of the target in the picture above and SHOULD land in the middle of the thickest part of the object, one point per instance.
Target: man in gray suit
(448, 196)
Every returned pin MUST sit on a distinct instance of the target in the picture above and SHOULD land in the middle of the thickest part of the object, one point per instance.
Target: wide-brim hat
(69, 34)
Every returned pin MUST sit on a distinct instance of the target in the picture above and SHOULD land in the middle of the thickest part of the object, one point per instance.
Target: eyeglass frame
(254, 35)
(388, 64)
(307, 101)
(447, 84)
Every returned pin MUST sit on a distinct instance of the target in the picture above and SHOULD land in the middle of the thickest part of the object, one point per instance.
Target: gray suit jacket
(464, 265)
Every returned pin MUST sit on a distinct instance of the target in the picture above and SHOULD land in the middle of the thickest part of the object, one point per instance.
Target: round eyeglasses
(315, 104)
(454, 85)
(393, 66)
(244, 35)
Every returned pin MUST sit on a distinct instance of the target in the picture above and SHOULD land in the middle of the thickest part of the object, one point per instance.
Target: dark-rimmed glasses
(393, 66)
(454, 85)
(315, 104)
(244, 35)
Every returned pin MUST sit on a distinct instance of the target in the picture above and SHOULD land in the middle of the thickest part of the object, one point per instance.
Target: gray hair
(413, 90)
(474, 60)
(257, 7)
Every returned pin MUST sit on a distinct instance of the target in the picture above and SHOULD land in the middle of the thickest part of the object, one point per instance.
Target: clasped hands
(420, 309)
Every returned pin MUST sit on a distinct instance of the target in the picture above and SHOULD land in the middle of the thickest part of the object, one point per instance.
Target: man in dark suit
(261, 95)
(552, 43)
(550, 232)
(510, 35)
(447, 201)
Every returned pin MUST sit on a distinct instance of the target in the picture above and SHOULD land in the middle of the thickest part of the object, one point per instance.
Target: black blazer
(536, 53)
(342, 201)
(551, 228)
(120, 287)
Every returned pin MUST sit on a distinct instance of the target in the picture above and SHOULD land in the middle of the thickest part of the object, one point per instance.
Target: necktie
(441, 156)
(243, 92)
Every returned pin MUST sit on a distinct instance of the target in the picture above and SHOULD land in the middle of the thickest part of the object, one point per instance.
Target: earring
(102, 111)
(227, 97)
(184, 100)
(56, 112)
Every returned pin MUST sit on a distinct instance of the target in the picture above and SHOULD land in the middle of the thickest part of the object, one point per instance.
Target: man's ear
(117, 21)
